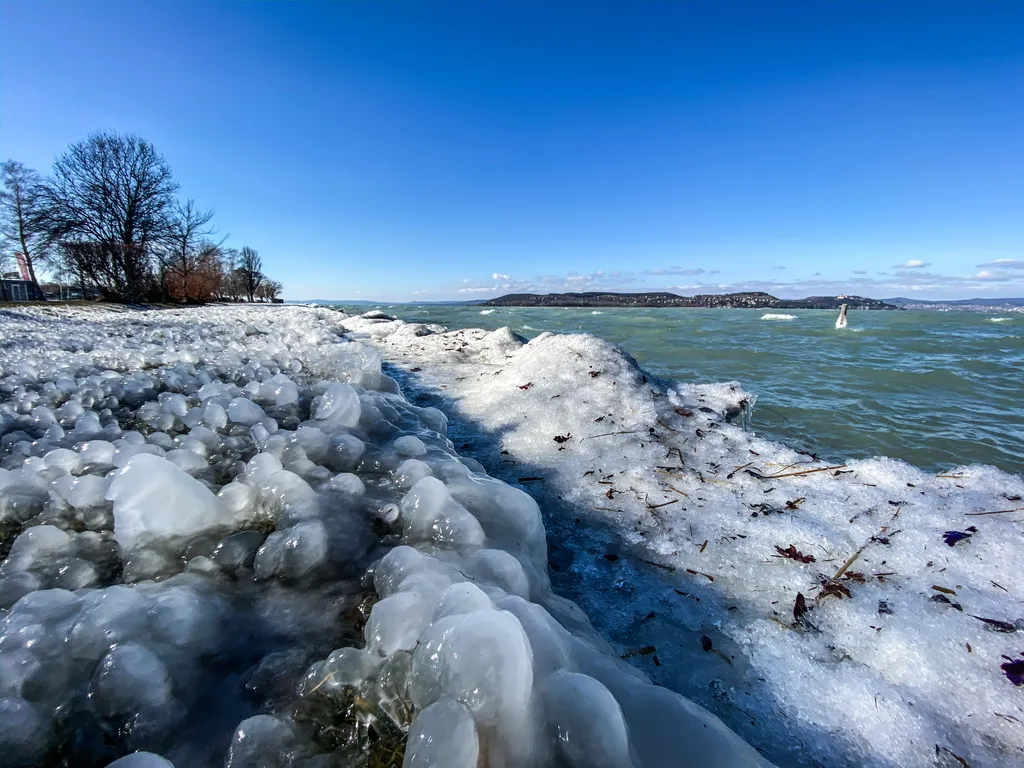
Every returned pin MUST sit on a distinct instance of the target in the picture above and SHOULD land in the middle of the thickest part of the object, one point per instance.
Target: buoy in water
(841, 320)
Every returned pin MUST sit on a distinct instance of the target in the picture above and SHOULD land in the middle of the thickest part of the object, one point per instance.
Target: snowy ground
(228, 539)
(865, 614)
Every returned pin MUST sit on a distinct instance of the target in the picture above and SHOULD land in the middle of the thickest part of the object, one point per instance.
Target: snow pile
(228, 539)
(868, 614)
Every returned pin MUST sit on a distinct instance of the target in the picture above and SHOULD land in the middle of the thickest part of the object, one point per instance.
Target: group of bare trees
(109, 221)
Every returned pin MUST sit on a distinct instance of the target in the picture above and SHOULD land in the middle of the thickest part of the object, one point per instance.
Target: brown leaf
(563, 438)
(526, 386)
(834, 589)
(793, 553)
(705, 643)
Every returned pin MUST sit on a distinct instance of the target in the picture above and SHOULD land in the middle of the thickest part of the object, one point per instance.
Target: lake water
(937, 389)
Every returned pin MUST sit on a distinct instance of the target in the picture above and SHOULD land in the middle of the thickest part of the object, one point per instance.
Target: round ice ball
(482, 659)
(442, 734)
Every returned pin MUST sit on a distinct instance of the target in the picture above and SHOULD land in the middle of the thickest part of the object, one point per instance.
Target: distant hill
(903, 301)
(750, 300)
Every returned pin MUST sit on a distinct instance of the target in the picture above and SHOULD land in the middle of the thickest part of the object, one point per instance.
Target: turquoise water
(937, 389)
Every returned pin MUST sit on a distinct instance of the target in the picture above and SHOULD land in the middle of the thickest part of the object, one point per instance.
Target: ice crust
(229, 539)
(666, 526)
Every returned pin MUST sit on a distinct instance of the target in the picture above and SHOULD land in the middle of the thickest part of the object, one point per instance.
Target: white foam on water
(486, 311)
(777, 316)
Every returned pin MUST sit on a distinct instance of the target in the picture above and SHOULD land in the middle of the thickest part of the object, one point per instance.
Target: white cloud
(674, 271)
(912, 264)
(1004, 264)
(987, 274)
(482, 289)
(499, 276)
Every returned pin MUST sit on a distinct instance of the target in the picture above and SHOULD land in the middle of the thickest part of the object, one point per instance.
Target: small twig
(656, 506)
(997, 512)
(857, 554)
(605, 434)
(802, 472)
(729, 476)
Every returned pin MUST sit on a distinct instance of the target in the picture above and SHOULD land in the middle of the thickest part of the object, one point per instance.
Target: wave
(595, 312)
(486, 311)
(774, 316)
(1000, 319)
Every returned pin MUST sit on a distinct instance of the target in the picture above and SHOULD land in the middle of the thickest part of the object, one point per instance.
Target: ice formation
(229, 539)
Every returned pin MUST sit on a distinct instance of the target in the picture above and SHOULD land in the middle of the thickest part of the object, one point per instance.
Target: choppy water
(937, 389)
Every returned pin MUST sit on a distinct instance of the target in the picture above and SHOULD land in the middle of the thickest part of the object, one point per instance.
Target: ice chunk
(293, 552)
(243, 411)
(97, 453)
(87, 491)
(429, 513)
(498, 568)
(482, 659)
(108, 616)
(443, 734)
(410, 472)
(464, 597)
(238, 549)
(214, 416)
(262, 741)
(410, 447)
(397, 621)
(348, 666)
(346, 482)
(39, 546)
(584, 721)
(24, 734)
(20, 502)
(141, 760)
(128, 679)
(338, 405)
(186, 460)
(65, 460)
(155, 501)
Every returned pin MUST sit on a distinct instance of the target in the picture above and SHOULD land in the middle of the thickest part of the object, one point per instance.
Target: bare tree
(268, 290)
(108, 202)
(250, 267)
(185, 248)
(21, 226)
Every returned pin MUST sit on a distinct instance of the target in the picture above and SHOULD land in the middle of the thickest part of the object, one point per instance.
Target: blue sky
(414, 150)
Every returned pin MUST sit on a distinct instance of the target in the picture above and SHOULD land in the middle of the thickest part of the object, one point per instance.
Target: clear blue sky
(402, 150)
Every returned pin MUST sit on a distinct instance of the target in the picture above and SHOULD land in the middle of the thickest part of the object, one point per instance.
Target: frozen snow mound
(229, 539)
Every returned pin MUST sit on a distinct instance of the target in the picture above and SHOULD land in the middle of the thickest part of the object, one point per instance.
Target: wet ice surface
(862, 614)
(228, 539)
